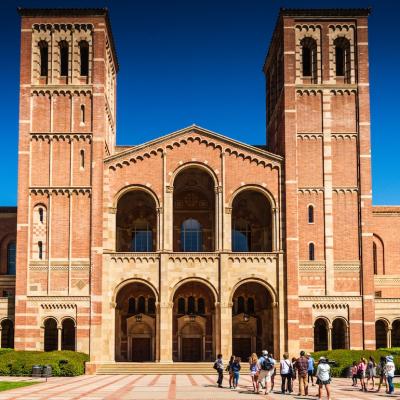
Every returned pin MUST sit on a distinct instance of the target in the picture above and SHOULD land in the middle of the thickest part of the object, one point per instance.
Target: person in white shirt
(323, 377)
(266, 367)
(286, 374)
(389, 372)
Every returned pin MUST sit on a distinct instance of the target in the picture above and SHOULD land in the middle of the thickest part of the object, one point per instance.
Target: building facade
(194, 244)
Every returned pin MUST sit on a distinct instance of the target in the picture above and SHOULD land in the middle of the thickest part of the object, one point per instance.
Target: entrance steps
(155, 368)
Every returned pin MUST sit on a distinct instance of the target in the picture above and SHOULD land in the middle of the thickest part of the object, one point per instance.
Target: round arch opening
(193, 324)
(340, 337)
(253, 324)
(396, 333)
(7, 334)
(381, 328)
(135, 323)
(321, 334)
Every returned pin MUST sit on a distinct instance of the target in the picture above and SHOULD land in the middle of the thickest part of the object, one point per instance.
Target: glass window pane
(142, 240)
(11, 258)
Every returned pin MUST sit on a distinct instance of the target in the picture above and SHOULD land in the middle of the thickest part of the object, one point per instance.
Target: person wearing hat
(323, 377)
(266, 366)
(389, 372)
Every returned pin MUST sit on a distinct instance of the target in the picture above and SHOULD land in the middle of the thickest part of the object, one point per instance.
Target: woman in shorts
(323, 377)
(253, 362)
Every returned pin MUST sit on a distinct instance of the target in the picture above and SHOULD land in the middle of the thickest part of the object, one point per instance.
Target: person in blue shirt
(236, 367)
(310, 371)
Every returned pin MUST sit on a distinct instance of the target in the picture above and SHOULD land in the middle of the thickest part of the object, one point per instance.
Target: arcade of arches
(59, 336)
(387, 335)
(331, 336)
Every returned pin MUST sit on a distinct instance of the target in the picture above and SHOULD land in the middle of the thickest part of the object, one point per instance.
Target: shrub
(344, 358)
(63, 363)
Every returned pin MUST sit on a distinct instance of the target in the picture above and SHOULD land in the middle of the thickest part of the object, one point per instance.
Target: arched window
(141, 305)
(131, 305)
(84, 55)
(191, 305)
(11, 258)
(201, 306)
(342, 57)
(311, 251)
(396, 333)
(50, 335)
(82, 157)
(40, 250)
(310, 214)
(250, 305)
(251, 222)
(339, 334)
(181, 305)
(40, 211)
(151, 305)
(309, 57)
(7, 334)
(83, 114)
(375, 258)
(240, 305)
(63, 58)
(320, 335)
(381, 334)
(44, 57)
(68, 335)
(191, 235)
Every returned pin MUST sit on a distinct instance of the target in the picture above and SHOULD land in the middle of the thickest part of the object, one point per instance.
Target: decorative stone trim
(61, 306)
(48, 136)
(58, 298)
(133, 257)
(344, 136)
(309, 266)
(310, 136)
(327, 306)
(387, 280)
(194, 257)
(345, 190)
(310, 190)
(330, 298)
(59, 190)
(253, 258)
(386, 300)
(347, 266)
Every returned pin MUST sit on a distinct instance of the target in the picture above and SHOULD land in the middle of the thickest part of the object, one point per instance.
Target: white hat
(322, 359)
(264, 352)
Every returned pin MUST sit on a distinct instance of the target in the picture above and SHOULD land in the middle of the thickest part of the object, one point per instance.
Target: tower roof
(73, 12)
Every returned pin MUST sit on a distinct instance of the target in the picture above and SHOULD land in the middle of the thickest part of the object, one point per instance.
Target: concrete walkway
(168, 387)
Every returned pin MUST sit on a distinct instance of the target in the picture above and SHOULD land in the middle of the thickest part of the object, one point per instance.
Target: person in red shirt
(302, 369)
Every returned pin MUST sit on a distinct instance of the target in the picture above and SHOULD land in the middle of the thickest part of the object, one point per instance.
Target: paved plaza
(168, 387)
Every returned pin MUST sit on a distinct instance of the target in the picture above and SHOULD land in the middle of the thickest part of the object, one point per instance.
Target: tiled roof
(8, 210)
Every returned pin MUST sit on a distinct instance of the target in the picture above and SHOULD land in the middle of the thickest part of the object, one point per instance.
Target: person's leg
(305, 386)
(328, 391)
(390, 382)
(266, 380)
(320, 391)
(301, 385)
(290, 384)
(283, 377)
(220, 376)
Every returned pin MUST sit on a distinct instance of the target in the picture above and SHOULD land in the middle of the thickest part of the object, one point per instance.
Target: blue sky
(185, 62)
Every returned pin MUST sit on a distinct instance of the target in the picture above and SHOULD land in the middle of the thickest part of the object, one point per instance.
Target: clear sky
(186, 61)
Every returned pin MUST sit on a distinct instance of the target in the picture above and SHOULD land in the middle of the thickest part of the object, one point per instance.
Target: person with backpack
(323, 377)
(286, 374)
(380, 371)
(236, 367)
(302, 369)
(219, 366)
(266, 366)
(371, 372)
(310, 372)
(389, 372)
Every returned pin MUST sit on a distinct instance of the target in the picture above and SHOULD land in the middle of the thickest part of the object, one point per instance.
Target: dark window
(310, 214)
(44, 57)
(311, 252)
(131, 305)
(250, 305)
(342, 57)
(11, 258)
(191, 235)
(40, 214)
(191, 305)
(309, 57)
(181, 305)
(375, 258)
(339, 61)
(241, 236)
(142, 239)
(40, 250)
(50, 335)
(82, 153)
(151, 305)
(141, 305)
(63, 58)
(7, 334)
(240, 305)
(201, 306)
(84, 53)
(82, 114)
(68, 335)
(307, 71)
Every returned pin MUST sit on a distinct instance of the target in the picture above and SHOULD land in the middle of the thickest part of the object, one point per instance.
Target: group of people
(366, 372)
(263, 370)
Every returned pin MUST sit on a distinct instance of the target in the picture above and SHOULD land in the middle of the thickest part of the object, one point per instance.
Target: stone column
(226, 324)
(59, 333)
(166, 332)
(157, 333)
(218, 218)
(389, 338)
(329, 337)
(1, 335)
(168, 218)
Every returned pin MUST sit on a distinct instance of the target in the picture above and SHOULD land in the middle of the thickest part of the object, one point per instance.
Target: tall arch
(396, 333)
(340, 334)
(321, 333)
(309, 58)
(7, 334)
(68, 334)
(378, 255)
(50, 334)
(381, 329)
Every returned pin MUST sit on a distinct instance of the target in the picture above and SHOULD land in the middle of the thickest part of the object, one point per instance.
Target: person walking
(323, 377)
(380, 371)
(286, 368)
(236, 367)
(310, 371)
(219, 366)
(266, 366)
(361, 368)
(354, 373)
(253, 363)
(389, 372)
(371, 372)
(229, 370)
(273, 372)
(302, 368)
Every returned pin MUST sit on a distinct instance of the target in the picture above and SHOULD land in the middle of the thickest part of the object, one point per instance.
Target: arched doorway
(193, 323)
(7, 334)
(320, 334)
(381, 333)
(396, 333)
(50, 335)
(136, 229)
(339, 334)
(194, 211)
(252, 320)
(135, 323)
(68, 335)
(251, 222)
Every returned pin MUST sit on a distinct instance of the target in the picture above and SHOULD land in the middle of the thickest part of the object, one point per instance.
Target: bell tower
(66, 128)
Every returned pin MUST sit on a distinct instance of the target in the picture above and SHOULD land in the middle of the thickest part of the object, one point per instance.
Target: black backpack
(266, 364)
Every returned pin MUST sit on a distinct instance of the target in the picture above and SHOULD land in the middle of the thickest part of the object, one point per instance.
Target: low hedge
(63, 363)
(344, 358)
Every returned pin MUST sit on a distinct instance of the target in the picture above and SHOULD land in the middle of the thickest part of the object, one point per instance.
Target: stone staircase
(153, 368)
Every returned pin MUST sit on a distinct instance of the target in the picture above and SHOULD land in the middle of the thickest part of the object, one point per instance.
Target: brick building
(194, 243)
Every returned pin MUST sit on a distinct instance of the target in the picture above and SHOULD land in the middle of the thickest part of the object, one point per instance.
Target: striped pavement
(166, 387)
